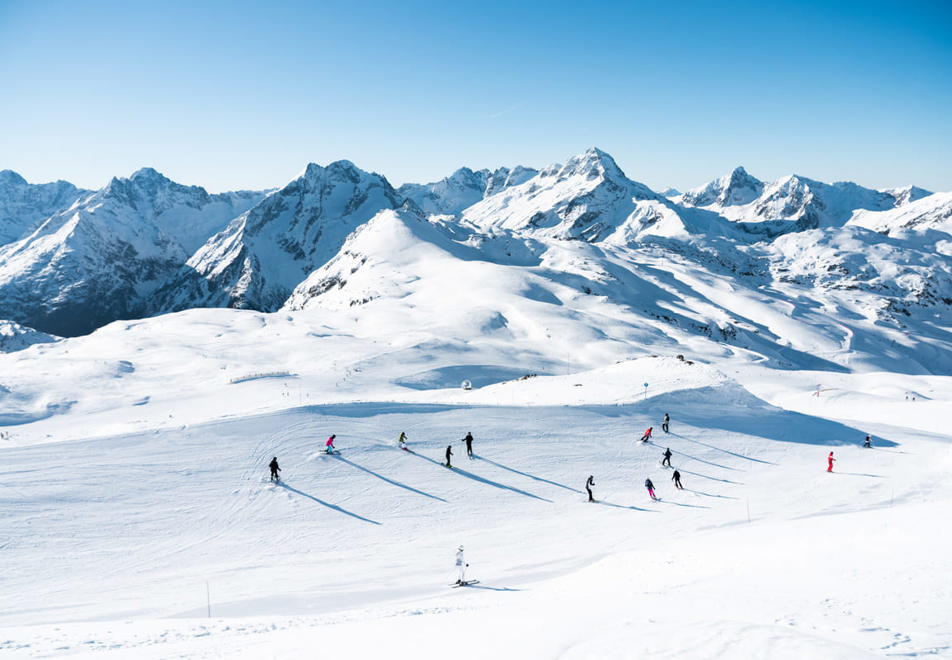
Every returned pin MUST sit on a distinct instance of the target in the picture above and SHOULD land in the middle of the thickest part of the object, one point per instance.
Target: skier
(868, 442)
(449, 452)
(461, 566)
(676, 477)
(664, 424)
(402, 441)
(274, 469)
(469, 443)
(588, 487)
(647, 434)
(667, 457)
(329, 445)
(650, 487)
(829, 462)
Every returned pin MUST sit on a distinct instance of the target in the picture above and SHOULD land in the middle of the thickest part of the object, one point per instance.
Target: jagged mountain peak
(593, 163)
(11, 178)
(733, 189)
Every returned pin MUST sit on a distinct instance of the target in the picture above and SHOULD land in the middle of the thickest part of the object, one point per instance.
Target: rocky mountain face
(23, 206)
(102, 258)
(256, 261)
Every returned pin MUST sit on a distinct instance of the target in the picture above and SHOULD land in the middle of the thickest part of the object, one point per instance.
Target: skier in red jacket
(829, 462)
(647, 434)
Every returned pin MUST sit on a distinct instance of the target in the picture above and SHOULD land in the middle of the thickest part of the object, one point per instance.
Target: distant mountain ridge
(514, 252)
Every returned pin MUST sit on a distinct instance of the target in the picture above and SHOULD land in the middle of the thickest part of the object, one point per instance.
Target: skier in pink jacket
(329, 445)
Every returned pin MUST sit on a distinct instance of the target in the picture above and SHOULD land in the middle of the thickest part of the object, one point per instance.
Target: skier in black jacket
(449, 452)
(664, 424)
(274, 469)
(650, 487)
(667, 457)
(676, 477)
(588, 487)
(469, 443)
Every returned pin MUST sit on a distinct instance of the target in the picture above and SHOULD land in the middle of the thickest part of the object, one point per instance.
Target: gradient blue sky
(243, 94)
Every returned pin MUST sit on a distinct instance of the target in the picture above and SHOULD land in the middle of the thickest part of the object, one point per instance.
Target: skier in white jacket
(461, 566)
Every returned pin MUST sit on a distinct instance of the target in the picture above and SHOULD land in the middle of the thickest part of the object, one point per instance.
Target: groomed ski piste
(137, 519)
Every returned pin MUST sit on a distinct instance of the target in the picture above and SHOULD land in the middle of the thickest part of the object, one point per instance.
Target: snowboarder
(461, 566)
(402, 441)
(469, 443)
(667, 457)
(868, 442)
(676, 477)
(829, 462)
(329, 445)
(664, 424)
(274, 469)
(647, 434)
(449, 452)
(588, 487)
(650, 487)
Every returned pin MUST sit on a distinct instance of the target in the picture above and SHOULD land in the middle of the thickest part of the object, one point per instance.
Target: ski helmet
(461, 547)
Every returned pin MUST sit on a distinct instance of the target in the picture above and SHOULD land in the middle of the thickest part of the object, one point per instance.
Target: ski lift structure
(466, 385)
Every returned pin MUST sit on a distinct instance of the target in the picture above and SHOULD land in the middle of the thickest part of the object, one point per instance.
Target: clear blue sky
(243, 94)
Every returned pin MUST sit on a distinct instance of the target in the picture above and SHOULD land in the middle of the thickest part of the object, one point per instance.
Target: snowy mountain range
(738, 263)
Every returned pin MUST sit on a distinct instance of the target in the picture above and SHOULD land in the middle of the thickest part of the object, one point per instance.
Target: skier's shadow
(327, 504)
(723, 497)
(526, 474)
(388, 480)
(489, 482)
(488, 588)
(726, 451)
(700, 460)
(693, 506)
(860, 474)
(622, 506)
(704, 476)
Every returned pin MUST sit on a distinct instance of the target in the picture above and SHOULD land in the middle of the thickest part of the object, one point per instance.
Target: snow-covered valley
(138, 519)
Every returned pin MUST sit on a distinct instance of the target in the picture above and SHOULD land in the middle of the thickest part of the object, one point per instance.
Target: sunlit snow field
(136, 500)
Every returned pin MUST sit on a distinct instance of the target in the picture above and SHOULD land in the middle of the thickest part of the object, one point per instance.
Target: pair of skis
(464, 583)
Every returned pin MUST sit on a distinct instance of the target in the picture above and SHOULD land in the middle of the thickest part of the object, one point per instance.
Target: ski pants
(651, 492)
(462, 572)
(590, 498)
(666, 461)
(677, 482)
(664, 427)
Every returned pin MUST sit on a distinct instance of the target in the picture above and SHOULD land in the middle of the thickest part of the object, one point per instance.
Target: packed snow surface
(139, 520)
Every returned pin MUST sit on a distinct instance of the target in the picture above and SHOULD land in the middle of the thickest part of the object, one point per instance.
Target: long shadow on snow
(526, 474)
(732, 409)
(482, 479)
(699, 460)
(723, 497)
(388, 480)
(726, 451)
(622, 506)
(482, 586)
(327, 504)
(704, 476)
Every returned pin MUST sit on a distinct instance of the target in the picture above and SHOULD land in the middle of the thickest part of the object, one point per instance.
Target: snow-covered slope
(930, 212)
(101, 259)
(463, 188)
(23, 205)
(139, 520)
(263, 254)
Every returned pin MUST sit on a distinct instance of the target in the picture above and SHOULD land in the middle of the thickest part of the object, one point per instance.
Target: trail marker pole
(748, 511)
(208, 599)
(646, 391)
